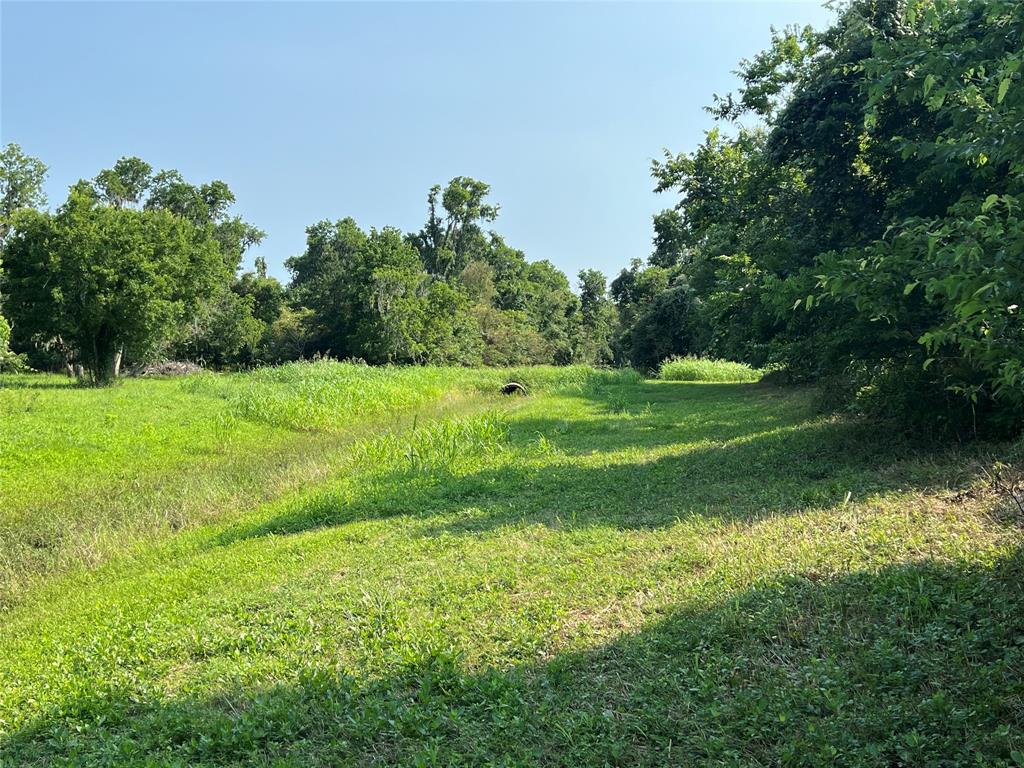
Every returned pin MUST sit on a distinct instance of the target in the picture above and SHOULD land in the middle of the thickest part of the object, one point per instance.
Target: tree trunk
(103, 361)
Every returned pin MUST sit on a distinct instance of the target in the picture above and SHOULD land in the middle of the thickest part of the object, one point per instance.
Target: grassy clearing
(692, 368)
(610, 572)
(88, 473)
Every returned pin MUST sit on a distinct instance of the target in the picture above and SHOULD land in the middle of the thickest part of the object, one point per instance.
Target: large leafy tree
(125, 183)
(105, 279)
(947, 279)
(449, 294)
(655, 322)
(372, 298)
(453, 236)
(330, 278)
(597, 319)
(222, 327)
(21, 186)
(870, 232)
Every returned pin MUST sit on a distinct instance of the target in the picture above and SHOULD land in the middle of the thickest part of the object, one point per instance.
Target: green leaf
(1003, 88)
(984, 288)
(929, 83)
(910, 287)
(989, 202)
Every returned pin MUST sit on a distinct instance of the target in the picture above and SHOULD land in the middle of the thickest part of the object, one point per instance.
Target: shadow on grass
(917, 664)
(738, 474)
(26, 381)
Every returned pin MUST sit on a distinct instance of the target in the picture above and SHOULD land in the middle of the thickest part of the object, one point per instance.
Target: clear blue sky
(326, 110)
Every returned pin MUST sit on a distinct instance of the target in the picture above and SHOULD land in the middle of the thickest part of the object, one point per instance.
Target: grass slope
(89, 473)
(609, 572)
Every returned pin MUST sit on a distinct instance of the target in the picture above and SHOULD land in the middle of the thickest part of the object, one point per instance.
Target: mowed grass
(607, 572)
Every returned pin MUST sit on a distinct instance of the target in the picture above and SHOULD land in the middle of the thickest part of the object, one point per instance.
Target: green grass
(607, 572)
(692, 368)
(88, 473)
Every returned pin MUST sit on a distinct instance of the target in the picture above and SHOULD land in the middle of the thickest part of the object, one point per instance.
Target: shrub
(8, 360)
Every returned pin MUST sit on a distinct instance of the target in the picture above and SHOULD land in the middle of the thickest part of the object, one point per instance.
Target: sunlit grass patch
(608, 571)
(89, 472)
(327, 394)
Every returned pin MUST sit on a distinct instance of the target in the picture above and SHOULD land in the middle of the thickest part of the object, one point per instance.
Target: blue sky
(325, 110)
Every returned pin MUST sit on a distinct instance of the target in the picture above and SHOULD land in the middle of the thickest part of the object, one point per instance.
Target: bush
(8, 360)
(692, 368)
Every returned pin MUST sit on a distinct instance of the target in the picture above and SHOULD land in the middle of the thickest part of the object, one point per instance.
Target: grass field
(326, 565)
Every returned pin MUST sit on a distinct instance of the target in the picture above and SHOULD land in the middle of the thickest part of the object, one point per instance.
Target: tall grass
(692, 368)
(325, 395)
(85, 473)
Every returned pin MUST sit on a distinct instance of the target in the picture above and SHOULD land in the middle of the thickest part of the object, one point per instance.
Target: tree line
(140, 265)
(853, 220)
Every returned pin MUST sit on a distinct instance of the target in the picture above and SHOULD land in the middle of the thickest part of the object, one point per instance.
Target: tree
(266, 293)
(509, 338)
(552, 309)
(450, 335)
(21, 185)
(870, 233)
(597, 319)
(450, 240)
(125, 183)
(633, 292)
(663, 327)
(221, 330)
(390, 311)
(285, 339)
(106, 279)
(9, 361)
(670, 239)
(478, 279)
(327, 278)
(449, 294)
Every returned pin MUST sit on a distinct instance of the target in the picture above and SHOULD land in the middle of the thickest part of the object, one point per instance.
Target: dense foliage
(869, 232)
(138, 266)
(134, 265)
(451, 293)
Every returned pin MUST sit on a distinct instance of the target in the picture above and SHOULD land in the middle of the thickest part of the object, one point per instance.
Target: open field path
(634, 573)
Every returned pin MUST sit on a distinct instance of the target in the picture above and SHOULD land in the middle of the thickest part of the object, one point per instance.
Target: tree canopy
(450, 293)
(869, 234)
(133, 263)
(105, 279)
